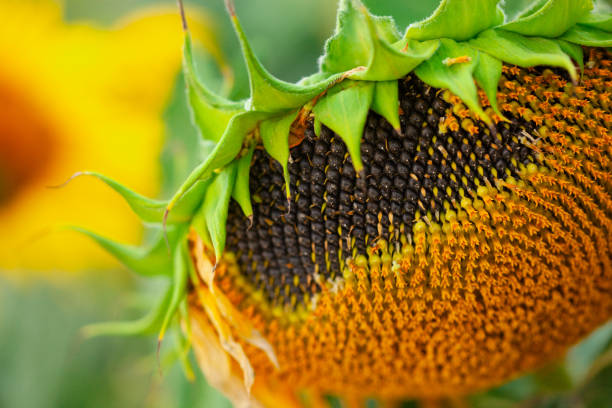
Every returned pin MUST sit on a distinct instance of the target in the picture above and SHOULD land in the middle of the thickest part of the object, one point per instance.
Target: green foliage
(487, 74)
(550, 18)
(457, 20)
(344, 110)
(241, 192)
(216, 203)
(523, 51)
(275, 137)
(589, 36)
(458, 77)
(386, 102)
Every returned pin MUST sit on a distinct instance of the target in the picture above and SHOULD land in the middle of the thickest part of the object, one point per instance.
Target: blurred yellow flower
(74, 97)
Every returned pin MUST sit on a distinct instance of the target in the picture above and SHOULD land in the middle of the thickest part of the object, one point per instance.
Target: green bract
(461, 46)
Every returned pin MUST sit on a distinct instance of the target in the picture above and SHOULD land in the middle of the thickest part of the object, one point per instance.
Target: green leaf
(269, 94)
(523, 51)
(551, 19)
(344, 110)
(455, 77)
(216, 203)
(210, 112)
(487, 74)
(275, 137)
(152, 260)
(457, 20)
(386, 29)
(152, 211)
(601, 21)
(589, 36)
(317, 127)
(241, 191)
(352, 43)
(180, 266)
(362, 40)
(386, 102)
(574, 51)
(147, 324)
(224, 152)
(390, 62)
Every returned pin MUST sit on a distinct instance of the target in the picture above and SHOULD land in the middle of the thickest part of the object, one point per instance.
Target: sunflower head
(419, 218)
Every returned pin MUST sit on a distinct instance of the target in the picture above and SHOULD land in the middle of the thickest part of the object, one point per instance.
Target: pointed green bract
(344, 110)
(589, 36)
(152, 211)
(241, 192)
(487, 74)
(362, 40)
(551, 19)
(215, 206)
(386, 29)
(601, 21)
(317, 126)
(152, 260)
(180, 266)
(523, 51)
(457, 77)
(269, 94)
(274, 134)
(389, 62)
(458, 20)
(574, 51)
(386, 102)
(210, 112)
(148, 324)
(352, 43)
(148, 210)
(224, 152)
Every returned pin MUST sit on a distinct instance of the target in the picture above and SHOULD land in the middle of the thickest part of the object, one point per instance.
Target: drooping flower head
(420, 218)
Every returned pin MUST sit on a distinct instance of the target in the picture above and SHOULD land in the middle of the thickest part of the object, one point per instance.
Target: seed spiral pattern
(475, 277)
(335, 214)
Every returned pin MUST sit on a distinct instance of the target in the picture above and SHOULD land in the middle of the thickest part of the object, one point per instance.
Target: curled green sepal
(523, 51)
(386, 102)
(441, 71)
(215, 207)
(344, 110)
(274, 134)
(575, 52)
(241, 192)
(180, 267)
(601, 21)
(150, 260)
(223, 153)
(458, 20)
(351, 45)
(151, 211)
(363, 40)
(317, 127)
(550, 18)
(209, 112)
(487, 74)
(269, 94)
(147, 324)
(589, 36)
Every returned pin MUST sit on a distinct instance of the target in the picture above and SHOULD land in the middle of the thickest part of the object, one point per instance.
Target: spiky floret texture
(434, 184)
(457, 291)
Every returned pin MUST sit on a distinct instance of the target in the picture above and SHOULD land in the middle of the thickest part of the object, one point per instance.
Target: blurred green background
(45, 363)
